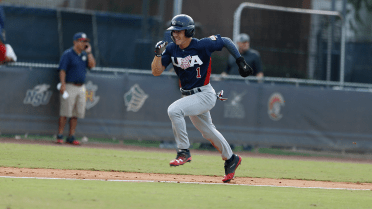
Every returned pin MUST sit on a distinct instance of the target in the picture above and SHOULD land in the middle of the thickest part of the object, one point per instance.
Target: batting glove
(160, 47)
(244, 69)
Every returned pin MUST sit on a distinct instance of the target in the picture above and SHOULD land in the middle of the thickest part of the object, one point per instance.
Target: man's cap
(80, 36)
(243, 37)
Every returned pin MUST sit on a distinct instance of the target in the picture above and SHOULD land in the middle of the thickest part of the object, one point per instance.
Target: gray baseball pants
(197, 107)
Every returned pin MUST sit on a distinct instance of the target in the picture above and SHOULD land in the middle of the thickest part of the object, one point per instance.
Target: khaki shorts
(74, 105)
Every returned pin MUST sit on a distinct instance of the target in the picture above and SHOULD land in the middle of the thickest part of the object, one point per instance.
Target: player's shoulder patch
(213, 37)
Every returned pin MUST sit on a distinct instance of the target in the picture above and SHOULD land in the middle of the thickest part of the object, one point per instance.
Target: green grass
(37, 193)
(83, 158)
(194, 146)
(77, 194)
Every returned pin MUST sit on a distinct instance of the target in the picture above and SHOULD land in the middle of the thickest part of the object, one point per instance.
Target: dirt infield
(105, 175)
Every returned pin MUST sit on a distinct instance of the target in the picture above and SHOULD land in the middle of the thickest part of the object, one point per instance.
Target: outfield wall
(134, 105)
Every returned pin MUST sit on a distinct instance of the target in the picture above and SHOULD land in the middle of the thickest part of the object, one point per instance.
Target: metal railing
(346, 86)
(237, 18)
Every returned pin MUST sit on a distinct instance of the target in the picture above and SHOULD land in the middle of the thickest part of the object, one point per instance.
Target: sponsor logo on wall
(90, 95)
(233, 107)
(275, 104)
(39, 95)
(135, 98)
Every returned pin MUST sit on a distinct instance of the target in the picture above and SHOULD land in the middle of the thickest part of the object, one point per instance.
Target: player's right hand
(160, 47)
(63, 88)
(244, 69)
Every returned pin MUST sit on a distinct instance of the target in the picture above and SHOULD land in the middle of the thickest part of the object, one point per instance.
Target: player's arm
(8, 59)
(62, 79)
(63, 63)
(244, 69)
(91, 59)
(157, 67)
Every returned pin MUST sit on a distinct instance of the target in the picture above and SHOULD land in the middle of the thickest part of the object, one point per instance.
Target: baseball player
(191, 59)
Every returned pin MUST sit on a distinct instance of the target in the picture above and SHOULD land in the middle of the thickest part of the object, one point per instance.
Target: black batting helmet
(183, 22)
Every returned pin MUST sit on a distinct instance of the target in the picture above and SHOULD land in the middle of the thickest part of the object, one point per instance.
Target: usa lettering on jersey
(187, 62)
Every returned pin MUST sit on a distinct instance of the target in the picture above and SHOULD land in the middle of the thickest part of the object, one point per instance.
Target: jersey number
(198, 72)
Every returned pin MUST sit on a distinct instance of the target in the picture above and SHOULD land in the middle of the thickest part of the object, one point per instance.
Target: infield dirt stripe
(105, 175)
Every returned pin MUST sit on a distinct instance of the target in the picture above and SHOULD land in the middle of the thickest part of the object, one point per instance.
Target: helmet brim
(176, 28)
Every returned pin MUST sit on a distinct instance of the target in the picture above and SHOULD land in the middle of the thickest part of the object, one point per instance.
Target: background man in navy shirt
(72, 73)
(251, 56)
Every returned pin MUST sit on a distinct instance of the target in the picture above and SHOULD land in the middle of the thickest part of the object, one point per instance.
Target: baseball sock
(231, 159)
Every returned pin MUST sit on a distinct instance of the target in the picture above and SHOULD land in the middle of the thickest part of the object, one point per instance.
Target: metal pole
(95, 38)
(330, 42)
(343, 39)
(145, 9)
(60, 32)
(160, 19)
(177, 7)
(237, 15)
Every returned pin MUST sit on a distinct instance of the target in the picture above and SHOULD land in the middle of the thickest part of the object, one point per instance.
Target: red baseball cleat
(75, 142)
(59, 141)
(72, 140)
(231, 167)
(183, 156)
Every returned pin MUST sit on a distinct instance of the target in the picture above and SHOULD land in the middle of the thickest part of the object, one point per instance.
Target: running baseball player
(191, 59)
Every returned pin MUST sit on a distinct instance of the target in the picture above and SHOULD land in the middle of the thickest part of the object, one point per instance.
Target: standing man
(72, 73)
(191, 59)
(251, 56)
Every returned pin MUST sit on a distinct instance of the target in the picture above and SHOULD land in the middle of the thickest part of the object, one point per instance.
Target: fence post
(60, 32)
(95, 38)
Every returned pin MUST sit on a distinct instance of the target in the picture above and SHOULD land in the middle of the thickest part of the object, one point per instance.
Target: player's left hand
(244, 69)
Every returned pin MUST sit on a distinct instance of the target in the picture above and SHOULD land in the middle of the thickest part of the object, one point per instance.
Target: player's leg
(78, 111)
(61, 126)
(73, 123)
(186, 106)
(65, 111)
(204, 124)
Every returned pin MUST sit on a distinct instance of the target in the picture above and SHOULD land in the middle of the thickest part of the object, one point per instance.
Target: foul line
(180, 182)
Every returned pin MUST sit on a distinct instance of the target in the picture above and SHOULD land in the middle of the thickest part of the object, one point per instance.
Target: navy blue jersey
(193, 64)
(74, 65)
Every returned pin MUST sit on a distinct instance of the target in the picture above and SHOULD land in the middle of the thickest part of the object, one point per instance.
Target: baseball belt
(190, 92)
